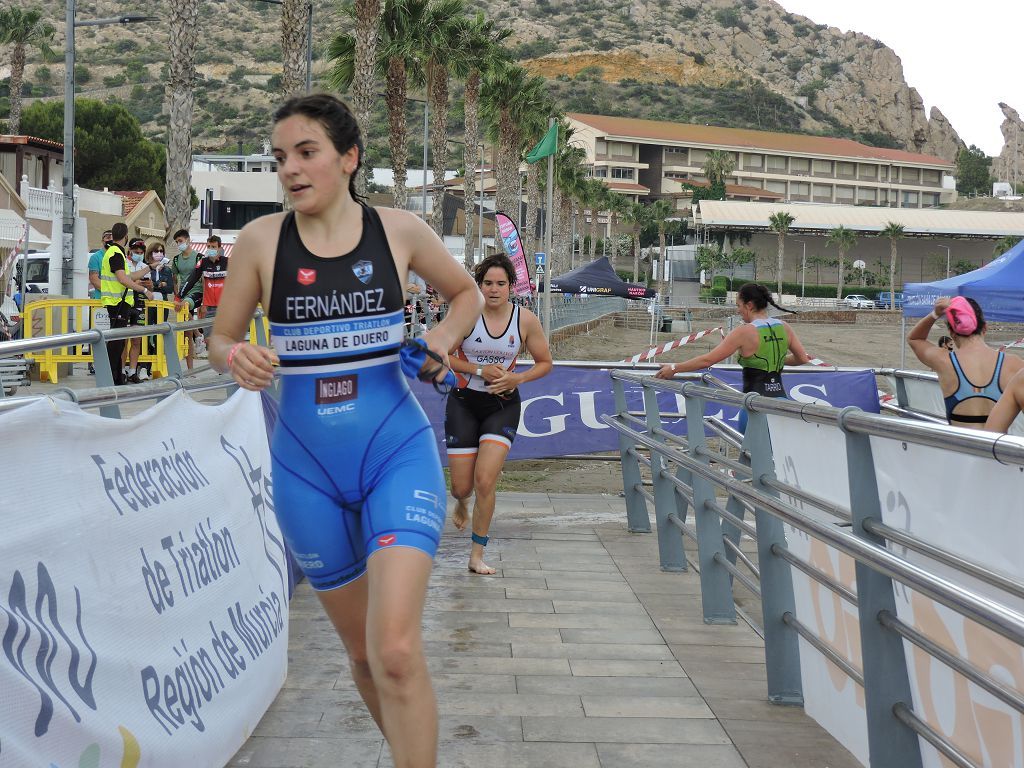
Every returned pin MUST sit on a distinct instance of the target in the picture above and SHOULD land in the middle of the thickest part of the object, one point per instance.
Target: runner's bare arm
(797, 355)
(1010, 404)
(244, 288)
(537, 344)
(729, 345)
(928, 353)
(416, 247)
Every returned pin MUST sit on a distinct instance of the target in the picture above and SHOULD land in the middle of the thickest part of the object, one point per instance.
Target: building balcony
(44, 203)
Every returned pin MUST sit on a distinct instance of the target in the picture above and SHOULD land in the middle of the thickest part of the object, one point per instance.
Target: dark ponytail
(760, 297)
(338, 122)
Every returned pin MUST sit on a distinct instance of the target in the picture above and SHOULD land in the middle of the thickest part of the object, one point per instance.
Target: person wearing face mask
(118, 289)
(95, 264)
(160, 276)
(212, 269)
(137, 254)
(183, 264)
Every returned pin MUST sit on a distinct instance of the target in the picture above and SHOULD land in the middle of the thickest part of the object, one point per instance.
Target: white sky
(958, 55)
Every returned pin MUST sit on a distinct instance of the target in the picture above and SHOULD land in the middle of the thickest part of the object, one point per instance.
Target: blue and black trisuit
(356, 467)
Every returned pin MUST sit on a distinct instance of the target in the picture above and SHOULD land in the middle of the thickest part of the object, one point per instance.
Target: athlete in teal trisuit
(765, 344)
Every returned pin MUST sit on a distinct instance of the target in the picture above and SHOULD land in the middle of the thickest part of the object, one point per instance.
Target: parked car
(858, 301)
(882, 301)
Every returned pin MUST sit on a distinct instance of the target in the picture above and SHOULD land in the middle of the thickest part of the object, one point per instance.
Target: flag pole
(548, 219)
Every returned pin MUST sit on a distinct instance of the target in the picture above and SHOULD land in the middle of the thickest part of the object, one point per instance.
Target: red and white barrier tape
(654, 351)
(883, 397)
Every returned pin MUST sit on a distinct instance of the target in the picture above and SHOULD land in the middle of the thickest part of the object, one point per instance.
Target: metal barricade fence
(688, 477)
(106, 396)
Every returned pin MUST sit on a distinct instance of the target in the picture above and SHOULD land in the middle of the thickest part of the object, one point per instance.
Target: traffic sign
(540, 269)
(539, 258)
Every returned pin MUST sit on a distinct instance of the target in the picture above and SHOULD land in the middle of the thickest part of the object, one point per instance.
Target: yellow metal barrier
(55, 316)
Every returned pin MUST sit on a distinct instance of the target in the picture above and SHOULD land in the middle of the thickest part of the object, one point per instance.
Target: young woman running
(765, 344)
(358, 485)
(482, 413)
(963, 373)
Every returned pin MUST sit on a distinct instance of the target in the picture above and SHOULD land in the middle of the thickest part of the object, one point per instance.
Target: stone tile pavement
(580, 652)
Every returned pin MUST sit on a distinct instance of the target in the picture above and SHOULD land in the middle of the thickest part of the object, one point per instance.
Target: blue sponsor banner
(562, 412)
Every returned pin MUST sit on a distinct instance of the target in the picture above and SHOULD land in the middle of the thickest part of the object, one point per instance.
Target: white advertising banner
(972, 507)
(143, 585)
(812, 457)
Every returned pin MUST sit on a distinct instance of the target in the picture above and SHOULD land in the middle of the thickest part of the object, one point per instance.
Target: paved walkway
(579, 652)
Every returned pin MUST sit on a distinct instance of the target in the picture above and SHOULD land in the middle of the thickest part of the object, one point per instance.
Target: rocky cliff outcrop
(839, 78)
(1009, 165)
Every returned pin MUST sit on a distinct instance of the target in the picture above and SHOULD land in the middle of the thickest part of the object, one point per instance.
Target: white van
(44, 273)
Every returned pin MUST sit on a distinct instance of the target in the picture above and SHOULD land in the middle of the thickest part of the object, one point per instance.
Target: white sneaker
(201, 350)
(143, 374)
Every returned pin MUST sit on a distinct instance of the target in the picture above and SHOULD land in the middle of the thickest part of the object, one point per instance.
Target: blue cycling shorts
(356, 470)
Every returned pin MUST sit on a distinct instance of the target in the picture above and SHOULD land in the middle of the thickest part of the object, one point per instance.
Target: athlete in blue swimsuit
(358, 486)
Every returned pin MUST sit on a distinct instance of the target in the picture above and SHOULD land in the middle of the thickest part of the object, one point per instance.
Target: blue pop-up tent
(998, 287)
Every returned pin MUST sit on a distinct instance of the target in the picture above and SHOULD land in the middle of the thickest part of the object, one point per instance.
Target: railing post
(671, 552)
(171, 347)
(715, 582)
(637, 519)
(781, 642)
(104, 376)
(886, 681)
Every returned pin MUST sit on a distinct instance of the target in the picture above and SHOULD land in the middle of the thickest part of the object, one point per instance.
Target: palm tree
(293, 46)
(844, 239)
(569, 178)
(537, 109)
(21, 29)
(367, 20)
(638, 216)
(398, 65)
(597, 195)
(181, 78)
(441, 52)
(717, 166)
(894, 232)
(617, 206)
(481, 44)
(503, 102)
(660, 212)
(780, 222)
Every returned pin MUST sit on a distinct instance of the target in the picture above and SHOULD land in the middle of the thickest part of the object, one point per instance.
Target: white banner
(143, 585)
(972, 507)
(812, 457)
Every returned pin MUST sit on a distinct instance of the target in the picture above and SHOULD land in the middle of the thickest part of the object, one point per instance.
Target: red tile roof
(626, 186)
(31, 140)
(790, 143)
(736, 189)
(129, 200)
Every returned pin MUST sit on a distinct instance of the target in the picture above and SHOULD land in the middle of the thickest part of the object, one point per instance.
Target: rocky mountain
(747, 63)
(1009, 164)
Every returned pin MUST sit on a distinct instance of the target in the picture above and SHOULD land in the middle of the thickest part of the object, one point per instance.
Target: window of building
(911, 175)
(799, 165)
(823, 166)
(698, 156)
(821, 191)
(620, 149)
(675, 150)
(930, 199)
(869, 171)
(776, 163)
(753, 161)
(601, 147)
(910, 199)
(776, 186)
(601, 171)
(844, 194)
(622, 173)
(800, 188)
(929, 176)
(865, 195)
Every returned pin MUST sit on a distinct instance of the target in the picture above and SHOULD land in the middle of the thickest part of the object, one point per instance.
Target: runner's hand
(252, 366)
(437, 348)
(666, 371)
(503, 382)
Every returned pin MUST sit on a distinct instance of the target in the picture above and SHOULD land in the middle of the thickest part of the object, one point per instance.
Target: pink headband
(961, 317)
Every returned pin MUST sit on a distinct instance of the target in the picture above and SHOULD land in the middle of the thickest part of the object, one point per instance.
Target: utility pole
(547, 237)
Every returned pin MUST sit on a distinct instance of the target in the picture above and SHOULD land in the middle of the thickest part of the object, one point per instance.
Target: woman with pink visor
(972, 375)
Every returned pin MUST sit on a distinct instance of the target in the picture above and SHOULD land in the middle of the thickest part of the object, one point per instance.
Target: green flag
(546, 146)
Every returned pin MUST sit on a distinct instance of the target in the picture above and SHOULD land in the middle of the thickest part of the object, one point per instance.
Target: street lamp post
(803, 267)
(947, 257)
(68, 178)
(480, 234)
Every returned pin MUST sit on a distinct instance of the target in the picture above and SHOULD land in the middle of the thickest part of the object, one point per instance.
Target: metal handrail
(988, 613)
(1004, 448)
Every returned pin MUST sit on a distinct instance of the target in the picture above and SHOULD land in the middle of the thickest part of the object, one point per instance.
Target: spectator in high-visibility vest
(116, 286)
(95, 261)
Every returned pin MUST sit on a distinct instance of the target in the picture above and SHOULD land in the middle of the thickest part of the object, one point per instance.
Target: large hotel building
(648, 159)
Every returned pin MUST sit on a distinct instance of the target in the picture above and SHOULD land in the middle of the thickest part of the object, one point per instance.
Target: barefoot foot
(460, 516)
(480, 567)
